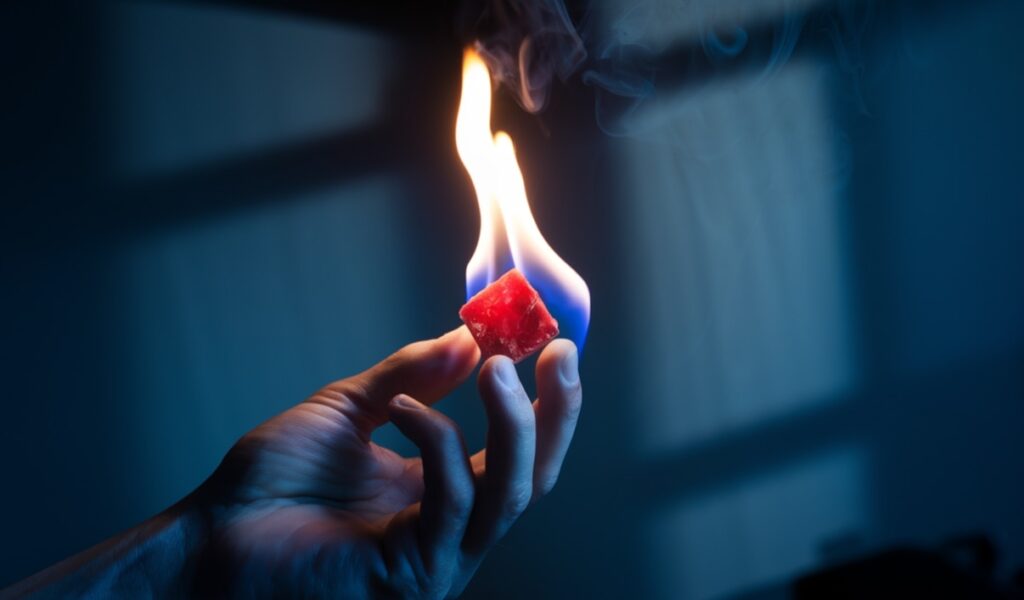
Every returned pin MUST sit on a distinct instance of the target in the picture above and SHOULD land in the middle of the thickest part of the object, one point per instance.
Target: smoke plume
(644, 48)
(526, 43)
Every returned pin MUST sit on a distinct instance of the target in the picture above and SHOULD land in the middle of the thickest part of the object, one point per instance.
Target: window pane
(192, 83)
(739, 286)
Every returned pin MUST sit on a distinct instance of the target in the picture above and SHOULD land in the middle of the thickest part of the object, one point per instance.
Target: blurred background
(800, 220)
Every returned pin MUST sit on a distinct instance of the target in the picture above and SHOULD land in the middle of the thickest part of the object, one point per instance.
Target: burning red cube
(508, 317)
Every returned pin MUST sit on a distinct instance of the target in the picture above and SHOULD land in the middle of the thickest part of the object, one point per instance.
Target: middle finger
(506, 485)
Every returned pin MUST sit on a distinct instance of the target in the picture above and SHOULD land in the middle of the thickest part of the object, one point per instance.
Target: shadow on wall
(830, 331)
(186, 246)
(808, 324)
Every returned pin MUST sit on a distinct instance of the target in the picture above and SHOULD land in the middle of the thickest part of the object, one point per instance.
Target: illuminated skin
(306, 505)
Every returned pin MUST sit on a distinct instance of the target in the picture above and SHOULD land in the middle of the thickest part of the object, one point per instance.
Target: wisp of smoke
(526, 43)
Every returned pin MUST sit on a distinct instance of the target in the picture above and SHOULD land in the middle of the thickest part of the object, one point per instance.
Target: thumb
(426, 370)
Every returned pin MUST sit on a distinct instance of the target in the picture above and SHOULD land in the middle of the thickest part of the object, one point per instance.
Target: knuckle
(348, 390)
(462, 498)
(435, 587)
(447, 433)
(410, 353)
(574, 404)
(517, 500)
(521, 418)
(544, 485)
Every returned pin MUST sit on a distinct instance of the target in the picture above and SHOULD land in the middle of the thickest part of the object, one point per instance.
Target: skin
(305, 505)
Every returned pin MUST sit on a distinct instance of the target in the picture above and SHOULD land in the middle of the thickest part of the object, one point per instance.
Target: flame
(509, 237)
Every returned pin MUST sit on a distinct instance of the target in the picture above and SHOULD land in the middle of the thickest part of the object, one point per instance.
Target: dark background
(807, 271)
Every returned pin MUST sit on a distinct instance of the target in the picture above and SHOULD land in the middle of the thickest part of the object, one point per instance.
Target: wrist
(180, 541)
(157, 558)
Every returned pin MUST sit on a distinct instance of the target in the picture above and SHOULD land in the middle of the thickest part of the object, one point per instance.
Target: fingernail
(403, 401)
(505, 370)
(569, 368)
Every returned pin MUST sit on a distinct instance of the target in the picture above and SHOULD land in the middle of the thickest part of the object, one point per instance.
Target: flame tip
(509, 236)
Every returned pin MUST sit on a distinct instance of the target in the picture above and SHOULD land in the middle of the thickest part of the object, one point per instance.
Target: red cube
(508, 317)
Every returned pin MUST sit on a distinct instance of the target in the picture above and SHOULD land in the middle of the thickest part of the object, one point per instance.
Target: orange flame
(509, 237)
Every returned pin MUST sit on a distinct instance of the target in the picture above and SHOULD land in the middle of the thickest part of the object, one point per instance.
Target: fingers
(427, 370)
(560, 399)
(447, 478)
(507, 484)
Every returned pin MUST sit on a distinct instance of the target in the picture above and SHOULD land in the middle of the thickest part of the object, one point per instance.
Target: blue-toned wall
(808, 287)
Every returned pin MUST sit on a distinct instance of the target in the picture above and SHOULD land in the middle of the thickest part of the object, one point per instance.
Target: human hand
(306, 505)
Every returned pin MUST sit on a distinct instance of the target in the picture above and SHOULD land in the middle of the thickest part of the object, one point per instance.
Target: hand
(306, 505)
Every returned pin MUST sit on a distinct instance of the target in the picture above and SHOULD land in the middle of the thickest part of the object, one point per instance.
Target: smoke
(641, 49)
(526, 43)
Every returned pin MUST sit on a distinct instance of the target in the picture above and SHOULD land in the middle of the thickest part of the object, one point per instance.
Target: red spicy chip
(508, 317)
